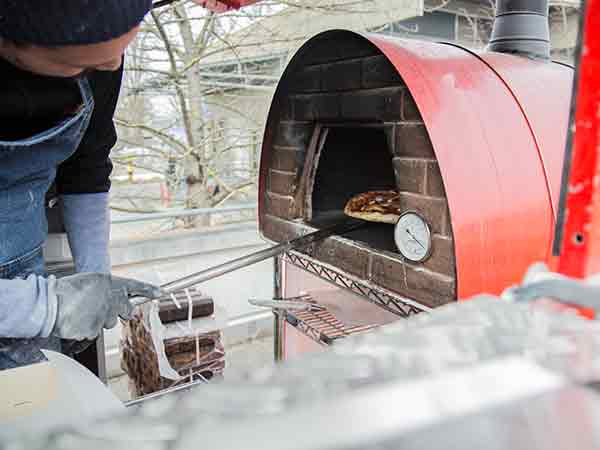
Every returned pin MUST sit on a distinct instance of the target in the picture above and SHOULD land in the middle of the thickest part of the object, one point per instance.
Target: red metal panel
(494, 180)
(580, 253)
(547, 115)
(219, 6)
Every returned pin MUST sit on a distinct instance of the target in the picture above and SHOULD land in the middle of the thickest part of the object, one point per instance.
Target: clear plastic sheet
(453, 337)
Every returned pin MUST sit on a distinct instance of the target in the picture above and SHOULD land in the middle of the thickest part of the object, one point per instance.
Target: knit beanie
(69, 22)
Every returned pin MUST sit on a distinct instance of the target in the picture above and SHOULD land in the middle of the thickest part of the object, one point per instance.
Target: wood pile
(194, 357)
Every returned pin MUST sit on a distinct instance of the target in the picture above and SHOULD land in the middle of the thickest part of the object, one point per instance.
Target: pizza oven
(472, 142)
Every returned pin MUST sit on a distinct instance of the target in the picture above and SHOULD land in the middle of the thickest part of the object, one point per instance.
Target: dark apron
(27, 170)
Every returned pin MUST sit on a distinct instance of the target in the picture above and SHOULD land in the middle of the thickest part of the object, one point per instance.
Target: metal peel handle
(256, 257)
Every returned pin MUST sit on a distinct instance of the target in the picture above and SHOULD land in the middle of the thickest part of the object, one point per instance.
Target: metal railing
(182, 213)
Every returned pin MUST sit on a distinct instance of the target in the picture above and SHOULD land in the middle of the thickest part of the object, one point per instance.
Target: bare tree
(218, 73)
(165, 63)
(198, 86)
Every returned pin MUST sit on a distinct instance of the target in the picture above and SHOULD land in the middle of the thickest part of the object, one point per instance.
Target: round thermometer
(413, 237)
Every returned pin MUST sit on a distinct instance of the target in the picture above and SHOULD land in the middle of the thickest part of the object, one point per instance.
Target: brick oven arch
(343, 122)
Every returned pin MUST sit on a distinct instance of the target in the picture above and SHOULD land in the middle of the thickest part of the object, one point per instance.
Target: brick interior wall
(352, 82)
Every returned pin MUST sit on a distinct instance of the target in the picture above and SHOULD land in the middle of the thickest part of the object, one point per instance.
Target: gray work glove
(88, 302)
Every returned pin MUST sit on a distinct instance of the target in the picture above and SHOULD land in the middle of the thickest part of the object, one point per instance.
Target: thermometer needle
(415, 239)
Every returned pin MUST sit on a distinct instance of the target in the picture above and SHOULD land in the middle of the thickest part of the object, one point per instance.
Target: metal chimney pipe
(521, 28)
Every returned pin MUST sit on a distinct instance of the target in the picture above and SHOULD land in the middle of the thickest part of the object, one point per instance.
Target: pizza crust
(375, 206)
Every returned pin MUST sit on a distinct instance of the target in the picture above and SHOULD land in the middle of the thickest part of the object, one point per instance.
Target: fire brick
(270, 228)
(287, 159)
(447, 228)
(316, 107)
(388, 272)
(277, 229)
(432, 209)
(373, 104)
(390, 137)
(435, 183)
(279, 205)
(429, 288)
(286, 108)
(283, 183)
(442, 256)
(306, 80)
(342, 76)
(377, 71)
(294, 134)
(339, 49)
(347, 256)
(410, 112)
(410, 174)
(412, 141)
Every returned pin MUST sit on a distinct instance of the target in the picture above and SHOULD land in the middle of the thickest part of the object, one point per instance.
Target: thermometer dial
(413, 237)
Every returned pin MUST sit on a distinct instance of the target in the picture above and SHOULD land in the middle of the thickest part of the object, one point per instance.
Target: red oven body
(497, 124)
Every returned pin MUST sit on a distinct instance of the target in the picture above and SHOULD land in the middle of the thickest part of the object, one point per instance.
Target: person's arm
(87, 222)
(24, 308)
(83, 180)
(76, 307)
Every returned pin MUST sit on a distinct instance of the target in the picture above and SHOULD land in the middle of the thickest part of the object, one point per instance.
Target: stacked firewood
(194, 357)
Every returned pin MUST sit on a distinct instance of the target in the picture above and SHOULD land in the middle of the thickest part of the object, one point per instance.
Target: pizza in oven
(375, 206)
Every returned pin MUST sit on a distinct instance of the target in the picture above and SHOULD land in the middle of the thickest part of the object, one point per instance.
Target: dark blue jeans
(22, 352)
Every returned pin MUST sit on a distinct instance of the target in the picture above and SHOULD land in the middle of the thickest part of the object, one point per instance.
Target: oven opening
(353, 160)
